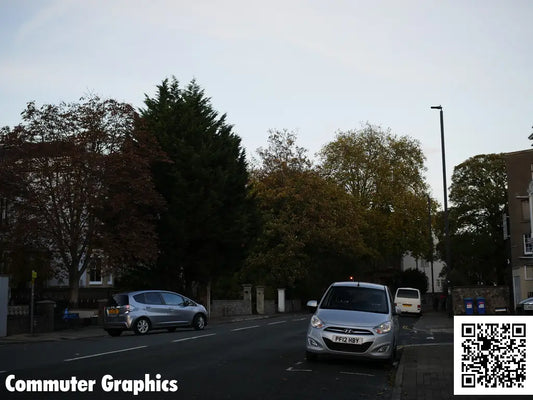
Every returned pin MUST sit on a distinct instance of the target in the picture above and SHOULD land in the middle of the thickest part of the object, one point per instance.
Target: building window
(528, 245)
(528, 273)
(95, 272)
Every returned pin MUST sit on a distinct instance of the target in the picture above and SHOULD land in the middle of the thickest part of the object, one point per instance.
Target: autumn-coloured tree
(78, 181)
(310, 232)
(384, 175)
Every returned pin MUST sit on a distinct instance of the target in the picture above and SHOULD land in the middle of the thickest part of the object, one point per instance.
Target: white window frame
(528, 247)
(96, 268)
(528, 277)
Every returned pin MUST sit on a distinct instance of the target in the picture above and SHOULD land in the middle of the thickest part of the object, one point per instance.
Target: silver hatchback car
(354, 319)
(144, 310)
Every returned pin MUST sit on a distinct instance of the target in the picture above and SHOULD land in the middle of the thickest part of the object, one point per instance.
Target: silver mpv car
(354, 319)
(144, 310)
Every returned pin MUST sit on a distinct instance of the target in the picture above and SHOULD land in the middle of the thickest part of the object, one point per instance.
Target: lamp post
(445, 189)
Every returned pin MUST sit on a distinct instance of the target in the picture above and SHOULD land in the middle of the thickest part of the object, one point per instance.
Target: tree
(478, 196)
(310, 232)
(383, 173)
(209, 219)
(413, 278)
(78, 179)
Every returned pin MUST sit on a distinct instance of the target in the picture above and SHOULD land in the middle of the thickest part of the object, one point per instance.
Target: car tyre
(141, 326)
(198, 322)
(309, 356)
(114, 332)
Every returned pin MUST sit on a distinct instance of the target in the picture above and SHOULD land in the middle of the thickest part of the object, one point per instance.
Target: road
(257, 359)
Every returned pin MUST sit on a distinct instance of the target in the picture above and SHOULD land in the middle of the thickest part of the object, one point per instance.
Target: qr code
(492, 355)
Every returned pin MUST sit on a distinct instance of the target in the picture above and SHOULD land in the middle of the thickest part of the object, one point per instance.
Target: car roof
(133, 293)
(360, 284)
(407, 288)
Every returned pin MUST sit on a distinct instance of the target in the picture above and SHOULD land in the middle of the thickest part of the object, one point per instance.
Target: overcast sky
(314, 67)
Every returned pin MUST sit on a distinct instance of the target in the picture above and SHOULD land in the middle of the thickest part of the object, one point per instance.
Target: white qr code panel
(493, 355)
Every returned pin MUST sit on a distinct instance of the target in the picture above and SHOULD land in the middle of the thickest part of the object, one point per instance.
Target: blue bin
(480, 301)
(469, 305)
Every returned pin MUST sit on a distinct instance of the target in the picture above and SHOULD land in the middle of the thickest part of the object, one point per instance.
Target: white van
(408, 300)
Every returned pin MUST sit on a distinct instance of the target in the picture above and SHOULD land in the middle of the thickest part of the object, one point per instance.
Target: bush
(415, 279)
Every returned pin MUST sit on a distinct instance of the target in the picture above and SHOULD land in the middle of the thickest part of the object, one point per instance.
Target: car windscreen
(356, 298)
(407, 294)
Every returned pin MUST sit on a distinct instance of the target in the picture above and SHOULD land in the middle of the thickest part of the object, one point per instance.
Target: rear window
(407, 293)
(356, 299)
(118, 300)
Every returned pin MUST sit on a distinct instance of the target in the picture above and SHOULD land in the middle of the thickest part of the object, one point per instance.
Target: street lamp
(445, 187)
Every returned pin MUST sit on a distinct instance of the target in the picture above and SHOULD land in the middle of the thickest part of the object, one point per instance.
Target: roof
(359, 284)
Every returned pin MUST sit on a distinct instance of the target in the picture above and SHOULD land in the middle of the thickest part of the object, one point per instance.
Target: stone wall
(225, 308)
(496, 297)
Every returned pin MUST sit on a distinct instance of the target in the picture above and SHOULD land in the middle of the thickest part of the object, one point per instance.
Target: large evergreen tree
(205, 229)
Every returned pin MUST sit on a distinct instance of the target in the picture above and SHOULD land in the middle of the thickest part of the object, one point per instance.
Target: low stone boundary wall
(496, 297)
(226, 308)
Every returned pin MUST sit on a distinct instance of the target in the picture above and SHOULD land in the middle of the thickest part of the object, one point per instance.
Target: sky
(312, 67)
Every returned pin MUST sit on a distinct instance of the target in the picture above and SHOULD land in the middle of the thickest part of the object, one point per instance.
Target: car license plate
(407, 305)
(112, 311)
(348, 339)
(528, 306)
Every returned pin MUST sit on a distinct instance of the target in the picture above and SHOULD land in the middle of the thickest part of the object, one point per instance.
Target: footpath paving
(425, 371)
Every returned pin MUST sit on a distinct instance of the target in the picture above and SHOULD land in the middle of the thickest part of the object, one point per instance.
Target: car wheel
(173, 329)
(309, 356)
(199, 322)
(114, 332)
(142, 326)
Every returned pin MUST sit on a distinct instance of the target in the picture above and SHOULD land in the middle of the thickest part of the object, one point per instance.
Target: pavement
(425, 371)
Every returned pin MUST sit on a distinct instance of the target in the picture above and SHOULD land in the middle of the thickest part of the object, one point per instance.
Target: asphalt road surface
(260, 359)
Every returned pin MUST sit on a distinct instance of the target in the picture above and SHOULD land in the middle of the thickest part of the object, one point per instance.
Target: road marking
(276, 323)
(424, 345)
(291, 369)
(356, 373)
(193, 337)
(246, 327)
(300, 319)
(103, 354)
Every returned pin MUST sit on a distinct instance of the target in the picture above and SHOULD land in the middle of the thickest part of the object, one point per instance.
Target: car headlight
(384, 327)
(316, 322)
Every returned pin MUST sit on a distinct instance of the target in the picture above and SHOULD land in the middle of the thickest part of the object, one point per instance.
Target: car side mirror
(312, 305)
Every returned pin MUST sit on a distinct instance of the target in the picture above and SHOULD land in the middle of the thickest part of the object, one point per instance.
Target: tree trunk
(74, 284)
